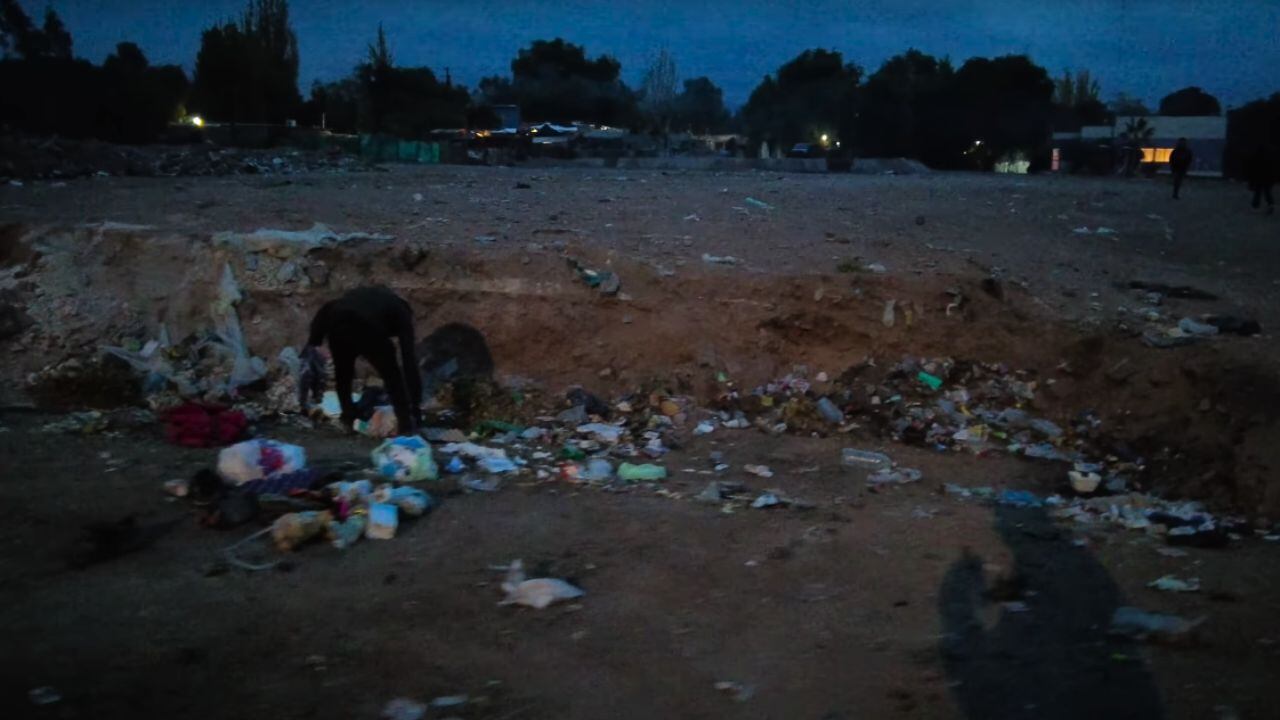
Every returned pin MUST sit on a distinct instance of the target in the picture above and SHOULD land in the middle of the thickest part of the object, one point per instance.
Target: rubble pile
(24, 158)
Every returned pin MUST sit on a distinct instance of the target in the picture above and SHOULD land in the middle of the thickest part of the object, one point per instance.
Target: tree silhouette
(1190, 101)
(57, 41)
(553, 80)
(248, 71)
(1002, 105)
(898, 115)
(658, 91)
(46, 90)
(700, 107)
(1126, 105)
(1076, 103)
(812, 95)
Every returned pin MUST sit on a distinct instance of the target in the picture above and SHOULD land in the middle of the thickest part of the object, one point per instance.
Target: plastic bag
(407, 459)
(259, 459)
(245, 369)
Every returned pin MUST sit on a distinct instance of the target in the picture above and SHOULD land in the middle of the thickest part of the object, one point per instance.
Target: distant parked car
(806, 150)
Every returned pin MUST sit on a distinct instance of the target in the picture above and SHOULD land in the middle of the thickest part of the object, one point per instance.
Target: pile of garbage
(1175, 522)
(337, 506)
(211, 367)
(27, 158)
(1160, 329)
(943, 404)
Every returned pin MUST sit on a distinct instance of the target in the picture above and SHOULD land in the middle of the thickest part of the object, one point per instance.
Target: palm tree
(1137, 133)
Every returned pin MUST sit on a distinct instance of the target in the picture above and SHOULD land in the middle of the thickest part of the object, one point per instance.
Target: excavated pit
(1204, 417)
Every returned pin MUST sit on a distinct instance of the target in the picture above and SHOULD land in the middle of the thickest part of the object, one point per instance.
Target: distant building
(508, 115)
(1206, 136)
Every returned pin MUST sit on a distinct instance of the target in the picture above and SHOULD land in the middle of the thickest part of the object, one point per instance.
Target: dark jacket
(1180, 160)
(1260, 168)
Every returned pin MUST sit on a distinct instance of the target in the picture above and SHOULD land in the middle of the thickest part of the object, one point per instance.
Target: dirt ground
(868, 605)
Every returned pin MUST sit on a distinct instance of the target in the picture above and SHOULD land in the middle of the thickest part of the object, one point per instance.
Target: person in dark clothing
(362, 324)
(1179, 164)
(1260, 173)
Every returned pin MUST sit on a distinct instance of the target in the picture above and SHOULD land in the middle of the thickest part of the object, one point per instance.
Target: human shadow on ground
(1053, 660)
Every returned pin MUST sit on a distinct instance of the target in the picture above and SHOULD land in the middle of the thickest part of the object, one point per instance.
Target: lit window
(1156, 155)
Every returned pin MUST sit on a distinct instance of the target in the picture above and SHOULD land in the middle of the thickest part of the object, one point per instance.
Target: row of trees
(551, 80)
(46, 90)
(246, 70)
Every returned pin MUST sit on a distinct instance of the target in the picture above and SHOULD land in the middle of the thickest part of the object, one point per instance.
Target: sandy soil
(866, 606)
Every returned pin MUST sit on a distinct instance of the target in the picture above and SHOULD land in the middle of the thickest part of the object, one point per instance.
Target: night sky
(1146, 48)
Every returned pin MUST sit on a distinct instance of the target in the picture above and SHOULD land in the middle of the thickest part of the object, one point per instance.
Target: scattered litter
(601, 431)
(259, 459)
(1019, 498)
(864, 460)
(1169, 583)
(44, 695)
(1197, 329)
(407, 459)
(1139, 624)
(934, 382)
(758, 470)
(1084, 230)
(537, 593)
(738, 691)
(641, 473)
(596, 470)
(766, 500)
(760, 204)
(606, 281)
(719, 259)
(1084, 483)
(404, 709)
(446, 702)
(899, 476)
(293, 529)
(704, 428)
(887, 318)
(497, 465)
(384, 520)
(830, 412)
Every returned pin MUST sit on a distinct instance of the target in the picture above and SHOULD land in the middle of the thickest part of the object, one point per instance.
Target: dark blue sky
(1146, 48)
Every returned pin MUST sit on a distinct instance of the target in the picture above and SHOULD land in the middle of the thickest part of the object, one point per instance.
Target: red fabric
(196, 425)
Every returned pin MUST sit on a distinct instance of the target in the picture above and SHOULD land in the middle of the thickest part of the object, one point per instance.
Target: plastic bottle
(830, 412)
(641, 473)
(865, 460)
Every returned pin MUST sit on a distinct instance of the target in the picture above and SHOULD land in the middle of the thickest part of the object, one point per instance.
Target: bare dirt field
(862, 603)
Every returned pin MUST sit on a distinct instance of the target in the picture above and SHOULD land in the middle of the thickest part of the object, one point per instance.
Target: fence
(382, 148)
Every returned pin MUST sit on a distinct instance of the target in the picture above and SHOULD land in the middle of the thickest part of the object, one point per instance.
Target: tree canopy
(46, 90)
(1190, 101)
(899, 107)
(247, 71)
(553, 80)
(812, 95)
(700, 108)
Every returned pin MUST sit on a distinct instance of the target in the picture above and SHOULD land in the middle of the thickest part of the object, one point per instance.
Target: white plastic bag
(258, 459)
